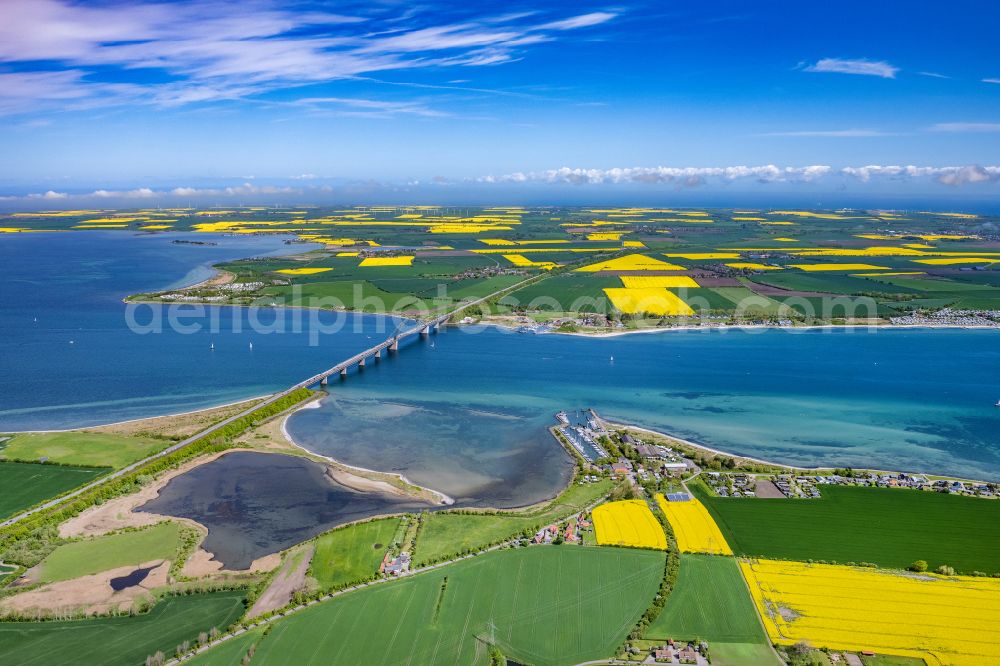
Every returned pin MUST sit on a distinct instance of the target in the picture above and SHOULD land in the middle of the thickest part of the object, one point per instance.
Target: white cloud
(582, 21)
(362, 106)
(224, 50)
(684, 176)
(862, 66)
(969, 174)
(991, 80)
(934, 75)
(51, 194)
(965, 127)
(948, 175)
(769, 173)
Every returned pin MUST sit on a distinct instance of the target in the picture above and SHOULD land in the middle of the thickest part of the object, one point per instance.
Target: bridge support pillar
(343, 372)
(378, 354)
(324, 381)
(395, 345)
(424, 331)
(361, 363)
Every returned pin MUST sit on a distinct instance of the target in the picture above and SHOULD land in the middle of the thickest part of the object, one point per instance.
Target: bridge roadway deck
(421, 327)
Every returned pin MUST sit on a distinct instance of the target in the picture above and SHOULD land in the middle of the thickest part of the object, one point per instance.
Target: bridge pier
(361, 363)
(343, 372)
(378, 353)
(395, 345)
(325, 381)
(424, 331)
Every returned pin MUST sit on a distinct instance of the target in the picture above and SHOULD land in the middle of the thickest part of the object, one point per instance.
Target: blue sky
(474, 100)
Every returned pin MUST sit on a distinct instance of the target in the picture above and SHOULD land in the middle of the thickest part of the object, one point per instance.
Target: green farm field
(27, 484)
(544, 606)
(464, 253)
(351, 553)
(119, 640)
(90, 556)
(443, 533)
(710, 602)
(81, 448)
(888, 527)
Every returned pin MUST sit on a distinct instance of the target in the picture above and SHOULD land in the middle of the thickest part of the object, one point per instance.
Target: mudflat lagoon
(255, 504)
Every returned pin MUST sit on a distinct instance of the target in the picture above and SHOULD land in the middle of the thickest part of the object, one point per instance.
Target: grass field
(118, 640)
(443, 534)
(466, 253)
(850, 608)
(888, 527)
(544, 605)
(27, 484)
(710, 602)
(81, 448)
(351, 553)
(90, 556)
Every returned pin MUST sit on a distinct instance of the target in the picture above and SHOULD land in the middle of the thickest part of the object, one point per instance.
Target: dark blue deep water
(80, 364)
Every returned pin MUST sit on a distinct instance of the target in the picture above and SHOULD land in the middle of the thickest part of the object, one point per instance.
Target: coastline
(612, 424)
(738, 327)
(442, 498)
(112, 424)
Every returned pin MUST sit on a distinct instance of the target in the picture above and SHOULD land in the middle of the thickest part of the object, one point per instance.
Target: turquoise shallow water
(466, 412)
(909, 399)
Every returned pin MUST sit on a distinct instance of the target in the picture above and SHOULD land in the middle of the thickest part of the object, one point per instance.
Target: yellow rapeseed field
(523, 262)
(633, 243)
(839, 267)
(943, 619)
(818, 216)
(749, 265)
(302, 271)
(632, 262)
(657, 281)
(406, 260)
(877, 251)
(694, 527)
(605, 236)
(655, 301)
(705, 255)
(628, 523)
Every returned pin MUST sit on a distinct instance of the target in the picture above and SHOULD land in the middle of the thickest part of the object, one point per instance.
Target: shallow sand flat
(92, 594)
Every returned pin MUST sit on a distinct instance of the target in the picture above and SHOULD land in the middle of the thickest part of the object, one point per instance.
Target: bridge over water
(373, 352)
(391, 343)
